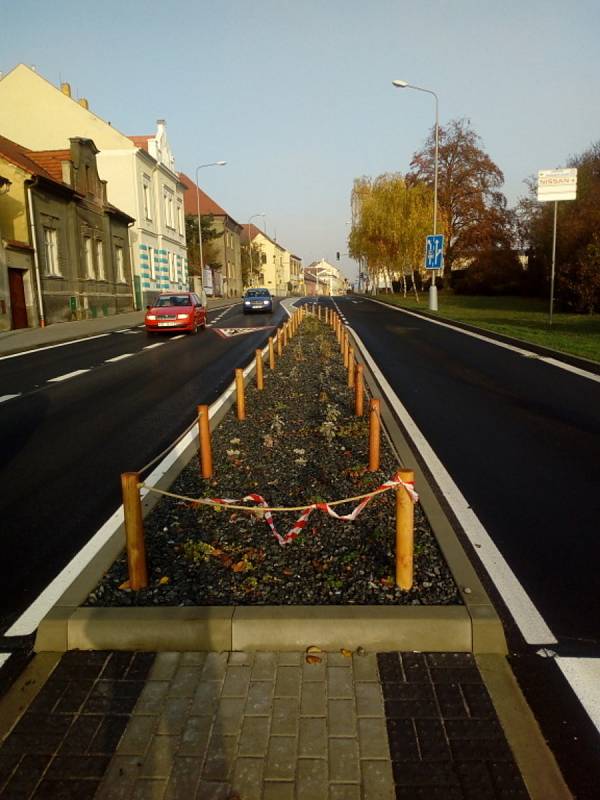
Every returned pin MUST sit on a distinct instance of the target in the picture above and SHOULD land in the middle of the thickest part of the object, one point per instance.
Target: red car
(176, 311)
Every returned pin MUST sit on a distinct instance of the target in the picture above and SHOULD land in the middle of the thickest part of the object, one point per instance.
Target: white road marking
(181, 336)
(151, 346)
(4, 658)
(67, 375)
(529, 620)
(584, 676)
(6, 397)
(554, 362)
(123, 330)
(119, 358)
(52, 346)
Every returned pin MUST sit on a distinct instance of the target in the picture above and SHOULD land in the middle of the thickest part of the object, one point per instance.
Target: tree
(472, 209)
(251, 268)
(209, 235)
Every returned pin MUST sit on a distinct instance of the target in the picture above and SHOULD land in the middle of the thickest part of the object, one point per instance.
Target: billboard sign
(557, 184)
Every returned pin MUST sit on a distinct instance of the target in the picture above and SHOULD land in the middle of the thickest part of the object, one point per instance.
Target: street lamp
(262, 214)
(433, 304)
(202, 166)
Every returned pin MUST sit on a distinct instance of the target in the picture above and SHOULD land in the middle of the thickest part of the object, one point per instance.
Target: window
(151, 263)
(100, 260)
(51, 251)
(179, 219)
(172, 271)
(146, 189)
(120, 264)
(89, 258)
(168, 199)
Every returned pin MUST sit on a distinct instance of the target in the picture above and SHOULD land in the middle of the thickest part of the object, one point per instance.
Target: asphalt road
(65, 442)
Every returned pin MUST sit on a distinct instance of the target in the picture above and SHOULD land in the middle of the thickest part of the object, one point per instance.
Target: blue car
(258, 300)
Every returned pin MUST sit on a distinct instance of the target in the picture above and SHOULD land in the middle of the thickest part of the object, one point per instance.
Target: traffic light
(337, 256)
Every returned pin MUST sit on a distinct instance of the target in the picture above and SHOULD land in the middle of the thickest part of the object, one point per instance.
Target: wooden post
(279, 338)
(342, 337)
(259, 370)
(134, 530)
(358, 391)
(374, 434)
(239, 391)
(351, 367)
(206, 462)
(271, 354)
(405, 514)
(346, 349)
(284, 334)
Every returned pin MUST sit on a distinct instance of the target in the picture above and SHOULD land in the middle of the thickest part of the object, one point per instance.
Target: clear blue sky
(297, 96)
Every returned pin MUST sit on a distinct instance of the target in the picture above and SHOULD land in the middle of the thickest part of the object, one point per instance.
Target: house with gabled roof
(139, 170)
(222, 275)
(67, 248)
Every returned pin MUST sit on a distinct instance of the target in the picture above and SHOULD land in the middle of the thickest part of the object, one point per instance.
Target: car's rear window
(174, 300)
(258, 293)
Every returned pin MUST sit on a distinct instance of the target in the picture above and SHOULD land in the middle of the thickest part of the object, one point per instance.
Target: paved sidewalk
(260, 726)
(15, 341)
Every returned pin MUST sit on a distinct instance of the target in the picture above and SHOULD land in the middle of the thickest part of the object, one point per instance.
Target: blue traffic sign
(434, 251)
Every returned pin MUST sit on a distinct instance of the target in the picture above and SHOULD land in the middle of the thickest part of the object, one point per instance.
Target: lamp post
(202, 166)
(433, 304)
(262, 214)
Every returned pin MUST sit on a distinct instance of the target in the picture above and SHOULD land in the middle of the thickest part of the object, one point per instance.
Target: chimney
(66, 89)
(160, 127)
(84, 103)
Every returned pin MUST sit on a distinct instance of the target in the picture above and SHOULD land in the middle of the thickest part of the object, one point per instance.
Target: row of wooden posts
(130, 481)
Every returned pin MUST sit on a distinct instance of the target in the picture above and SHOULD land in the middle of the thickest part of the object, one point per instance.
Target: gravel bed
(300, 443)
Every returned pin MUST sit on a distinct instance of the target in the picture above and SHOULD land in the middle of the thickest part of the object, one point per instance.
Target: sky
(297, 97)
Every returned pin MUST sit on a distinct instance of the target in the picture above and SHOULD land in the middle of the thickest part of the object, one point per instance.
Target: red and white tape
(301, 522)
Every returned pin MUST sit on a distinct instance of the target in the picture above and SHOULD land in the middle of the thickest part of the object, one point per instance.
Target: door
(17, 298)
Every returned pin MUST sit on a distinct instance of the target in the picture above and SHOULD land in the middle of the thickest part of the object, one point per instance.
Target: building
(322, 278)
(66, 247)
(223, 275)
(267, 272)
(139, 170)
(296, 275)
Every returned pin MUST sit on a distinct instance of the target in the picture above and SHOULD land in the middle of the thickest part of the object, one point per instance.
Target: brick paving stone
(507, 780)
(433, 744)
(108, 735)
(424, 773)
(369, 700)
(229, 714)
(193, 658)
(164, 667)
(377, 780)
(281, 758)
(80, 735)
(284, 716)
(475, 780)
(152, 698)
(312, 741)
(74, 697)
(264, 667)
(247, 778)
(116, 667)
(338, 660)
(312, 779)
(429, 793)
(481, 750)
(214, 667)
(254, 737)
(345, 791)
(277, 790)
(478, 700)
(209, 790)
(185, 681)
(340, 682)
(260, 698)
(289, 659)
(315, 672)
(342, 718)
(373, 738)
(65, 790)
(101, 702)
(365, 667)
(220, 757)
(120, 778)
(206, 698)
(139, 667)
(241, 659)
(390, 667)
(451, 700)
(450, 659)
(149, 789)
(313, 701)
(343, 761)
(184, 778)
(159, 758)
(414, 666)
(473, 729)
(137, 736)
(8, 764)
(26, 777)
(402, 740)
(174, 714)
(460, 675)
(77, 767)
(195, 737)
(236, 681)
(287, 682)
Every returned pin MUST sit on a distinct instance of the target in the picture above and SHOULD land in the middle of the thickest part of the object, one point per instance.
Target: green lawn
(523, 318)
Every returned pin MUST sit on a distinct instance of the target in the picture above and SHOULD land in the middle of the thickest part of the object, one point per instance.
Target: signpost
(434, 259)
(555, 185)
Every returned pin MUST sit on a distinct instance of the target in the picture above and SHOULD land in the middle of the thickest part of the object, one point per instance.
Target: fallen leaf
(126, 586)
(313, 659)
(346, 653)
(313, 648)
(164, 580)
(288, 572)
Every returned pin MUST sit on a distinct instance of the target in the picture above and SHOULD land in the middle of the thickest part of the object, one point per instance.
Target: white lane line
(4, 658)
(6, 397)
(529, 620)
(118, 358)
(152, 346)
(554, 362)
(123, 330)
(181, 336)
(53, 346)
(584, 676)
(67, 375)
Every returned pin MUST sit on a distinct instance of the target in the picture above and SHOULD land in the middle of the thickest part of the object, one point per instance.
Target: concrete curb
(472, 627)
